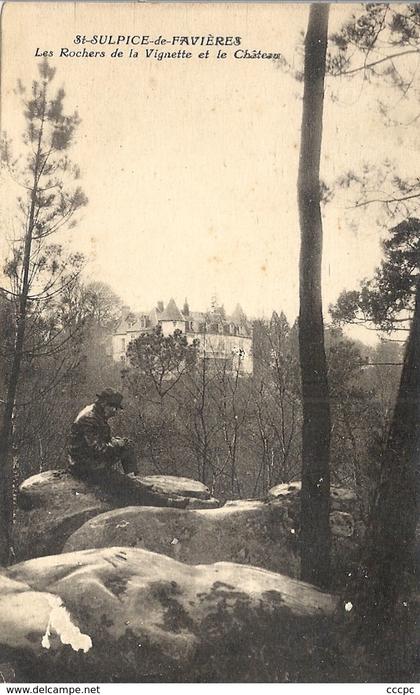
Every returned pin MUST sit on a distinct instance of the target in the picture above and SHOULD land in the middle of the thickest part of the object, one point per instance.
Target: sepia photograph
(210, 343)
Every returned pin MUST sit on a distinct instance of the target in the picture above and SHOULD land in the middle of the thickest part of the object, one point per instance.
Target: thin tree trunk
(203, 422)
(7, 434)
(315, 531)
(7, 431)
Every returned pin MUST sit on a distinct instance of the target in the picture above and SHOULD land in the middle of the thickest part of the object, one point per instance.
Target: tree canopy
(387, 300)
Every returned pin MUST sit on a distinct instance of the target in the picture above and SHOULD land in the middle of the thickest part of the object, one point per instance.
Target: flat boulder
(345, 513)
(57, 487)
(173, 485)
(129, 615)
(53, 504)
(342, 499)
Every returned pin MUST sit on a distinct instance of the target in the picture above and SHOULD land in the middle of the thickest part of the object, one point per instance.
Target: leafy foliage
(387, 300)
(373, 34)
(103, 304)
(379, 45)
(163, 359)
(38, 269)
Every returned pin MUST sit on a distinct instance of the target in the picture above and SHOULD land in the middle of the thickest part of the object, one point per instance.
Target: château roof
(131, 322)
(238, 315)
(171, 312)
(142, 322)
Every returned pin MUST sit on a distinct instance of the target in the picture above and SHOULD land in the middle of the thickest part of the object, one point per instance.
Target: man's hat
(111, 397)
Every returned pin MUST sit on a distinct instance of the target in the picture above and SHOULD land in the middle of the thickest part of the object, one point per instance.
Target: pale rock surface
(264, 534)
(136, 616)
(246, 531)
(172, 485)
(342, 499)
(60, 512)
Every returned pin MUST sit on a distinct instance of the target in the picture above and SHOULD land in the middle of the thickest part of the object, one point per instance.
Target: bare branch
(387, 201)
(370, 66)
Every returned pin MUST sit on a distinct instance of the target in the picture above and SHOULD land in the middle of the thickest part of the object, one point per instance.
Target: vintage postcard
(210, 251)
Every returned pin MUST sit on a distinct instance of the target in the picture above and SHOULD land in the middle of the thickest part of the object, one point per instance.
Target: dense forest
(319, 406)
(238, 434)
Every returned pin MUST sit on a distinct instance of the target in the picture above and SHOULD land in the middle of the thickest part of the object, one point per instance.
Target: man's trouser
(130, 490)
(128, 460)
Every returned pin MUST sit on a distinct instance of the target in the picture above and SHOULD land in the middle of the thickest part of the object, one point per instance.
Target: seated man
(93, 454)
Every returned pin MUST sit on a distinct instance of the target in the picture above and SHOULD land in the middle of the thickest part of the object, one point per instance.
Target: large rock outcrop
(121, 615)
(58, 512)
(247, 532)
(53, 504)
(252, 532)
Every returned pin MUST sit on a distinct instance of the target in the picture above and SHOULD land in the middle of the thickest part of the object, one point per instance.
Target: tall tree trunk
(383, 594)
(315, 496)
(7, 430)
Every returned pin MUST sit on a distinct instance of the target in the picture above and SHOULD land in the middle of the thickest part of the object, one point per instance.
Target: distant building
(221, 337)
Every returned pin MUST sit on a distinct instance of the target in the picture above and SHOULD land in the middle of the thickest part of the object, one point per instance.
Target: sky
(190, 166)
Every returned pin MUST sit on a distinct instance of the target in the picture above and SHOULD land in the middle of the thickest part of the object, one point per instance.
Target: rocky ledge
(129, 615)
